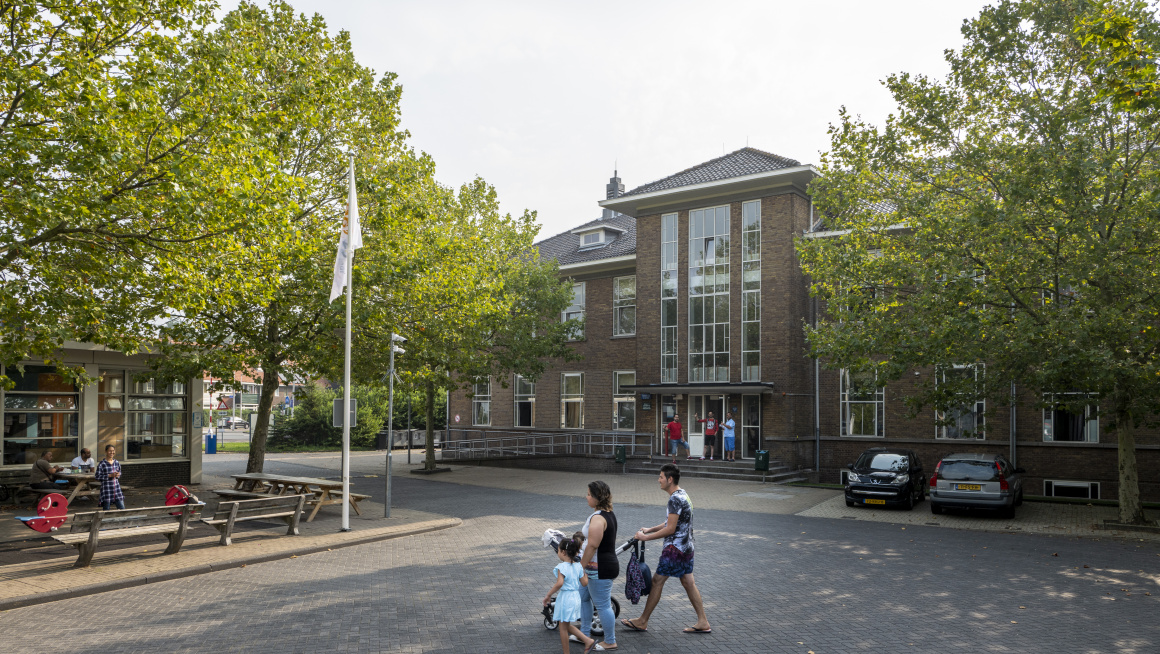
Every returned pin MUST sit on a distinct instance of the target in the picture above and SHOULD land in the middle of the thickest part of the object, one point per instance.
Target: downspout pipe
(817, 385)
(1011, 438)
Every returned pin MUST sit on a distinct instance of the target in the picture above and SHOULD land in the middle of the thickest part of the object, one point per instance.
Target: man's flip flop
(694, 630)
(630, 625)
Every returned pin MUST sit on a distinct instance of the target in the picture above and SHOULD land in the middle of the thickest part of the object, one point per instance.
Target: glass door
(700, 406)
(750, 425)
(668, 410)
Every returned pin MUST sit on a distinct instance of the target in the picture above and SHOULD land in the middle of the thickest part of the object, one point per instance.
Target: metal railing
(487, 443)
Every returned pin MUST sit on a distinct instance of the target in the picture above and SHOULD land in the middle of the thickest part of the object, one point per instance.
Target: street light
(395, 349)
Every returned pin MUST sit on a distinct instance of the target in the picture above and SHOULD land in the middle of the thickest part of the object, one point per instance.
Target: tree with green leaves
(126, 148)
(1004, 217)
(324, 107)
(485, 305)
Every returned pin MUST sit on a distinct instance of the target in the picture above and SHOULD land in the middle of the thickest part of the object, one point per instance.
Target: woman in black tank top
(600, 532)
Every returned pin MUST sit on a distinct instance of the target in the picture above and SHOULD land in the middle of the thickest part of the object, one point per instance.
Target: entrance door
(750, 425)
(701, 405)
(668, 410)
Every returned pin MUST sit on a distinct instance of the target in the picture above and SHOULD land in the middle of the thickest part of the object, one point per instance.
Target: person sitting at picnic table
(109, 474)
(43, 472)
(84, 460)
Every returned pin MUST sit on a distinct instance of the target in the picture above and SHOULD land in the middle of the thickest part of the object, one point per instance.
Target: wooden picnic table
(323, 491)
(83, 484)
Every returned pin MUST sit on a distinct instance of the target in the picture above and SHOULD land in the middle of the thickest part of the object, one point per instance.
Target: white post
(346, 381)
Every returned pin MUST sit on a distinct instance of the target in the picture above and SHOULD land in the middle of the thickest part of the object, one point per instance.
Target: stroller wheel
(549, 623)
(615, 607)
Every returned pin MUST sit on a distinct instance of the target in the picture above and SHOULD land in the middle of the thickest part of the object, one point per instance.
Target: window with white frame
(863, 404)
(589, 239)
(1071, 417)
(669, 298)
(967, 419)
(624, 305)
(525, 398)
(624, 399)
(572, 400)
(709, 294)
(751, 291)
(158, 423)
(481, 403)
(40, 414)
(575, 311)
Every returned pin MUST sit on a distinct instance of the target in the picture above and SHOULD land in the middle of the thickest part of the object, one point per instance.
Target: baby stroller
(552, 538)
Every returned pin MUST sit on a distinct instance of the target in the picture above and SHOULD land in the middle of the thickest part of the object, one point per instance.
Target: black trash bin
(761, 461)
(381, 440)
(621, 454)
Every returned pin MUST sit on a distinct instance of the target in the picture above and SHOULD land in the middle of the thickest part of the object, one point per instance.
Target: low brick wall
(165, 473)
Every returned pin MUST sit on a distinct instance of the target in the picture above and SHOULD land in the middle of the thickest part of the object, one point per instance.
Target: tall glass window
(576, 310)
(751, 291)
(968, 418)
(572, 400)
(481, 403)
(158, 420)
(709, 294)
(624, 399)
(863, 404)
(669, 298)
(624, 306)
(111, 411)
(1063, 421)
(525, 394)
(40, 413)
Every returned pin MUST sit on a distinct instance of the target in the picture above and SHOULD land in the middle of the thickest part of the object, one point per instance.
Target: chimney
(613, 190)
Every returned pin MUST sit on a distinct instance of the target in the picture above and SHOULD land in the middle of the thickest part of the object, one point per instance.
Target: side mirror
(1020, 470)
(850, 466)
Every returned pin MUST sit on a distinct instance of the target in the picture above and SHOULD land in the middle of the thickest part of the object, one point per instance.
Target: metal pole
(346, 373)
(390, 429)
(408, 428)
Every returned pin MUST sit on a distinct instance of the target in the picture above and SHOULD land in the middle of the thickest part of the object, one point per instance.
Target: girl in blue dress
(569, 578)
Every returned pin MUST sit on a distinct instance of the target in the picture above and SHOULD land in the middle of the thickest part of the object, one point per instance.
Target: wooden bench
(287, 507)
(87, 529)
(230, 493)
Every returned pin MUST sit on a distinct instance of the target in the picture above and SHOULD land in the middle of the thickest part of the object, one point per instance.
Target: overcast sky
(541, 99)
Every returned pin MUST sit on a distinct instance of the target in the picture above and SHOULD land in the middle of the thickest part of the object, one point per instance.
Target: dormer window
(589, 239)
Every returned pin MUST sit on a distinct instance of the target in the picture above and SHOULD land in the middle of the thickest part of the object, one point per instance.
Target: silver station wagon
(976, 481)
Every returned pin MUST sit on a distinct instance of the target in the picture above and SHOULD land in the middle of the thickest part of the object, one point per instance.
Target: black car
(886, 476)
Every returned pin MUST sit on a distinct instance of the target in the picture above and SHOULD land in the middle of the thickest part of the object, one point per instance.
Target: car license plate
(874, 501)
(968, 487)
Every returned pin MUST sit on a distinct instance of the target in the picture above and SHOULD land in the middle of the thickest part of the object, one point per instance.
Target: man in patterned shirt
(677, 555)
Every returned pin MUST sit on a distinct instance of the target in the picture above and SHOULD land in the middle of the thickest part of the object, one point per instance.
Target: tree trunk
(429, 462)
(1131, 511)
(270, 382)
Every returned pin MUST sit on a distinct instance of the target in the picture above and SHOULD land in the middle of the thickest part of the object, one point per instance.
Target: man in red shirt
(710, 434)
(673, 431)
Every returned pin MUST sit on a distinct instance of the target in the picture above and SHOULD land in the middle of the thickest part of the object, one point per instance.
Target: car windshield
(881, 461)
(968, 470)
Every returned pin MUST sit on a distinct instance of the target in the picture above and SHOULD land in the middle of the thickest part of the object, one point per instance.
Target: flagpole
(346, 419)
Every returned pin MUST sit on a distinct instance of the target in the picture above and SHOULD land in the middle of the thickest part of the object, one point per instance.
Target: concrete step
(738, 471)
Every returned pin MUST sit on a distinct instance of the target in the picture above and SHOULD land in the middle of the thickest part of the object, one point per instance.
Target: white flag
(350, 241)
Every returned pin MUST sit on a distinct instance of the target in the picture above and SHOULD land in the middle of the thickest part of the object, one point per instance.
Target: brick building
(694, 301)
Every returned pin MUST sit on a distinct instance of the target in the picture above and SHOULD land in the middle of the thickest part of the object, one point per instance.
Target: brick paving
(773, 581)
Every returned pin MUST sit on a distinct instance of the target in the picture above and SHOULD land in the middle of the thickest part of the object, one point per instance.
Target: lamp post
(395, 339)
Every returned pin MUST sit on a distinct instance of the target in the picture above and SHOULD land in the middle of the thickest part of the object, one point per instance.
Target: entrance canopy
(703, 388)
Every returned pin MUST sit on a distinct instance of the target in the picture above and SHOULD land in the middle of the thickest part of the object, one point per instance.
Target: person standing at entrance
(673, 431)
(710, 434)
(677, 555)
(728, 442)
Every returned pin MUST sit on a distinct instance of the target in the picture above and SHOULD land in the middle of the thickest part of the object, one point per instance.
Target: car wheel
(909, 504)
(849, 502)
(1007, 513)
(1019, 499)
(935, 509)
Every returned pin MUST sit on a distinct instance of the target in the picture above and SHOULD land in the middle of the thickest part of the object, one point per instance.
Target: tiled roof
(565, 247)
(746, 161)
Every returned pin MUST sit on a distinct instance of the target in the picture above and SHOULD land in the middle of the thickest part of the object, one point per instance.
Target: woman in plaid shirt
(109, 474)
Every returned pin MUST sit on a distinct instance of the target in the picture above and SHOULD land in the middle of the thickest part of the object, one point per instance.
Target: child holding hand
(569, 578)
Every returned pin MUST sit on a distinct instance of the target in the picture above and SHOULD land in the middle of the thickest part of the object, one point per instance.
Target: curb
(200, 569)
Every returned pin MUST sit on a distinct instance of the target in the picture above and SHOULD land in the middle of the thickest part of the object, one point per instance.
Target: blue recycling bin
(211, 443)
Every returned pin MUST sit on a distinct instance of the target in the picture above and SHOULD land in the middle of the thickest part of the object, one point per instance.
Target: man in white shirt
(85, 459)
